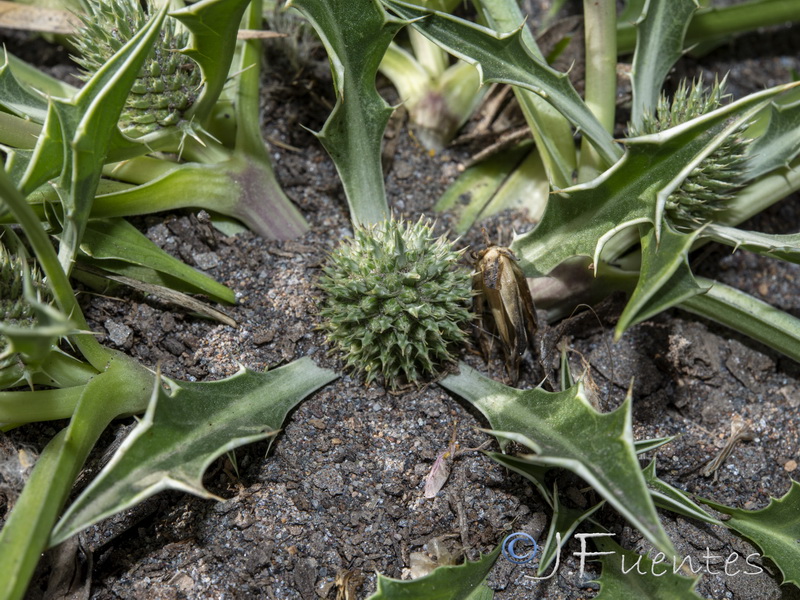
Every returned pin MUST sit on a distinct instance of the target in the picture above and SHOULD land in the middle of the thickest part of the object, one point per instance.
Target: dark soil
(341, 487)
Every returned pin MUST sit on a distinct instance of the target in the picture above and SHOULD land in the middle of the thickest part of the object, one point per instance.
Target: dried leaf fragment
(347, 583)
(739, 431)
(440, 471)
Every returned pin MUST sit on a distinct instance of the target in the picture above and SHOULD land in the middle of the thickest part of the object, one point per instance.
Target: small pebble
(117, 332)
(206, 260)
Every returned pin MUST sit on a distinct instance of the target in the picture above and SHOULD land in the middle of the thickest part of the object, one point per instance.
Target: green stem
(406, 74)
(25, 533)
(600, 21)
(125, 387)
(713, 23)
(41, 405)
(57, 370)
(209, 151)
(64, 370)
(56, 277)
(432, 58)
(267, 207)
(140, 170)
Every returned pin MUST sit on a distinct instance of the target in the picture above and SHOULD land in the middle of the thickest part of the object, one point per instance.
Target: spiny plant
(59, 146)
(415, 314)
(396, 302)
(631, 209)
(711, 185)
(193, 99)
(438, 96)
(14, 308)
(628, 184)
(168, 82)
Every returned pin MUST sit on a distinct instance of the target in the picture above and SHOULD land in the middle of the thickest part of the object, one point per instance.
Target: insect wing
(528, 310)
(494, 275)
(509, 298)
(438, 475)
(501, 286)
(482, 326)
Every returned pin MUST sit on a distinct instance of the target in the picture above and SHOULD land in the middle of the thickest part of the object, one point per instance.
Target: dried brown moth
(503, 305)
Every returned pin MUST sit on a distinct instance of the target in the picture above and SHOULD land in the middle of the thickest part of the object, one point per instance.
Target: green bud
(168, 83)
(396, 302)
(710, 186)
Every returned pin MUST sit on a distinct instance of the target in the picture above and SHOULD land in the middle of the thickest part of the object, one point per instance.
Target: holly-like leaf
(565, 520)
(79, 132)
(648, 579)
(671, 498)
(121, 389)
(19, 98)
(779, 144)
(660, 31)
(774, 529)
(32, 168)
(184, 431)
(506, 58)
(460, 582)
(563, 524)
(665, 279)
(29, 75)
(579, 220)
(551, 131)
(783, 246)
(632, 10)
(356, 34)
(212, 26)
(565, 431)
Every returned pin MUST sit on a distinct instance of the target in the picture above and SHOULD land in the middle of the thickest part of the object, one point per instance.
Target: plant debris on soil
(341, 489)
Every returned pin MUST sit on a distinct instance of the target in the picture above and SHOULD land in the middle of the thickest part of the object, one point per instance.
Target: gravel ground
(341, 487)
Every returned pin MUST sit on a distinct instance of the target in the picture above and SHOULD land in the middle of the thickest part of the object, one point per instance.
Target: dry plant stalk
(740, 431)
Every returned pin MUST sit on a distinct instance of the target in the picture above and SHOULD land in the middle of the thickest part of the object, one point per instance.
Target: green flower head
(169, 81)
(396, 302)
(710, 186)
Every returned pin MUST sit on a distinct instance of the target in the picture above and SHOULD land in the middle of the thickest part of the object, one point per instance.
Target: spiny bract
(711, 184)
(168, 82)
(396, 301)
